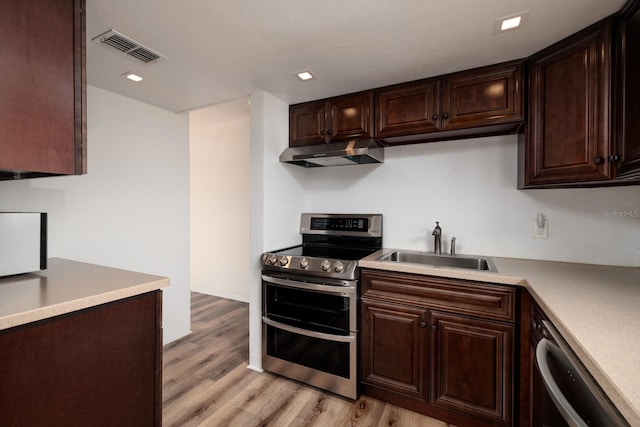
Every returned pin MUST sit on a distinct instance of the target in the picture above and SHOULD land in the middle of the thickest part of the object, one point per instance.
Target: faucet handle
(453, 246)
(437, 231)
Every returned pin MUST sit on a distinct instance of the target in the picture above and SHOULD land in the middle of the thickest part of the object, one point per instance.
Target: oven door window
(311, 310)
(319, 354)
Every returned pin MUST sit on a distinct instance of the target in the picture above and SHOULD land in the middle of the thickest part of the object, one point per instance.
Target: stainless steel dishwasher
(564, 393)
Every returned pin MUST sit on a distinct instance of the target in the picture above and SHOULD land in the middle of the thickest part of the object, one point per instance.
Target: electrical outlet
(541, 232)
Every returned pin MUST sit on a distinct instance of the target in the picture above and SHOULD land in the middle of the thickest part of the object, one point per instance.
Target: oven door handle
(305, 332)
(544, 350)
(327, 289)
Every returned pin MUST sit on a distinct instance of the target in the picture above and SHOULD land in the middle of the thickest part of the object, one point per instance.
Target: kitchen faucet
(437, 244)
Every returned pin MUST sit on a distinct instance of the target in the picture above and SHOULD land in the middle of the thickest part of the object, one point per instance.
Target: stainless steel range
(310, 301)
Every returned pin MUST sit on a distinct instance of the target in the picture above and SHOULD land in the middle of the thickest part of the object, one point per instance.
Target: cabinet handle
(614, 158)
(434, 117)
(598, 160)
(424, 318)
(322, 132)
(434, 327)
(329, 132)
(445, 116)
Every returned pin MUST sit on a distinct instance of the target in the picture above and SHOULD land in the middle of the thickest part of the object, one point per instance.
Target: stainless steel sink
(468, 262)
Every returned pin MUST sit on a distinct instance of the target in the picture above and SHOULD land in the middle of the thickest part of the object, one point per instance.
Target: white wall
(131, 210)
(470, 187)
(219, 153)
(277, 198)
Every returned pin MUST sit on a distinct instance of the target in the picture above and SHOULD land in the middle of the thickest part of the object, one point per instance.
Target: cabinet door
(482, 97)
(351, 117)
(394, 348)
(307, 124)
(472, 367)
(408, 109)
(629, 134)
(569, 129)
(42, 87)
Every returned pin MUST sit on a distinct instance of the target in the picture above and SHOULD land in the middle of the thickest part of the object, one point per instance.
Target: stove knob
(338, 267)
(304, 263)
(271, 259)
(284, 261)
(326, 265)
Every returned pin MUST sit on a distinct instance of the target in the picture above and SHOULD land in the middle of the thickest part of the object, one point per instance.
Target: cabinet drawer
(485, 300)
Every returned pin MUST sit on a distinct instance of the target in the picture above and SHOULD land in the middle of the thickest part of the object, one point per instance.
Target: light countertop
(67, 286)
(596, 308)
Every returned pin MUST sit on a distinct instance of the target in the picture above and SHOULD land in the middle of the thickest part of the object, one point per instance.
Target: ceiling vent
(130, 48)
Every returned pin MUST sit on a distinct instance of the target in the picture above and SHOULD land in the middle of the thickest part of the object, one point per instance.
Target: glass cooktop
(311, 251)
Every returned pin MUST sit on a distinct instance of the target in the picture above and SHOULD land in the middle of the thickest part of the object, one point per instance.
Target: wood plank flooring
(206, 382)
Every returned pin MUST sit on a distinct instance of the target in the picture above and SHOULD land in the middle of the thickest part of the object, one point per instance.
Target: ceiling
(220, 50)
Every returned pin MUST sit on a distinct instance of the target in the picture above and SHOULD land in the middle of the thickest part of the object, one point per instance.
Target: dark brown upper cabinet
(409, 109)
(479, 102)
(43, 87)
(583, 128)
(627, 92)
(568, 131)
(331, 120)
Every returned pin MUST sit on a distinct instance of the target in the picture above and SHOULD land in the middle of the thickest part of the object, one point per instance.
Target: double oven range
(311, 301)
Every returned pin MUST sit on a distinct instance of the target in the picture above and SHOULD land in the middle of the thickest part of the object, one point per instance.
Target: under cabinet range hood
(335, 154)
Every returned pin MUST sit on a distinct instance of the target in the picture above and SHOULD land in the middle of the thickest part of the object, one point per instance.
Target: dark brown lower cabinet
(395, 348)
(456, 365)
(471, 366)
(100, 366)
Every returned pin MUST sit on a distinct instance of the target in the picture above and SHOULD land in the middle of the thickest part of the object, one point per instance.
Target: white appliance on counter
(23, 242)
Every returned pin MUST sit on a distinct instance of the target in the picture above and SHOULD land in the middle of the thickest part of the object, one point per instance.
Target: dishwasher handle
(544, 350)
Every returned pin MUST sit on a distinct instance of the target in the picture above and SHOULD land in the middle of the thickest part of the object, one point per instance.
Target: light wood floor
(206, 382)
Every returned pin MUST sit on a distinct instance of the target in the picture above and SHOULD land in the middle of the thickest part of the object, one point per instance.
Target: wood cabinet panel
(471, 367)
(481, 97)
(458, 368)
(458, 296)
(100, 366)
(43, 107)
(307, 124)
(478, 102)
(351, 117)
(628, 148)
(569, 125)
(408, 109)
(395, 345)
(331, 120)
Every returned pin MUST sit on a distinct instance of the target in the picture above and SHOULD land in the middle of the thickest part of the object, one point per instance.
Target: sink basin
(471, 263)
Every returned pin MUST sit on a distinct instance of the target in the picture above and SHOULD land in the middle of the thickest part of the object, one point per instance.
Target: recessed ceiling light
(133, 77)
(305, 75)
(511, 22)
